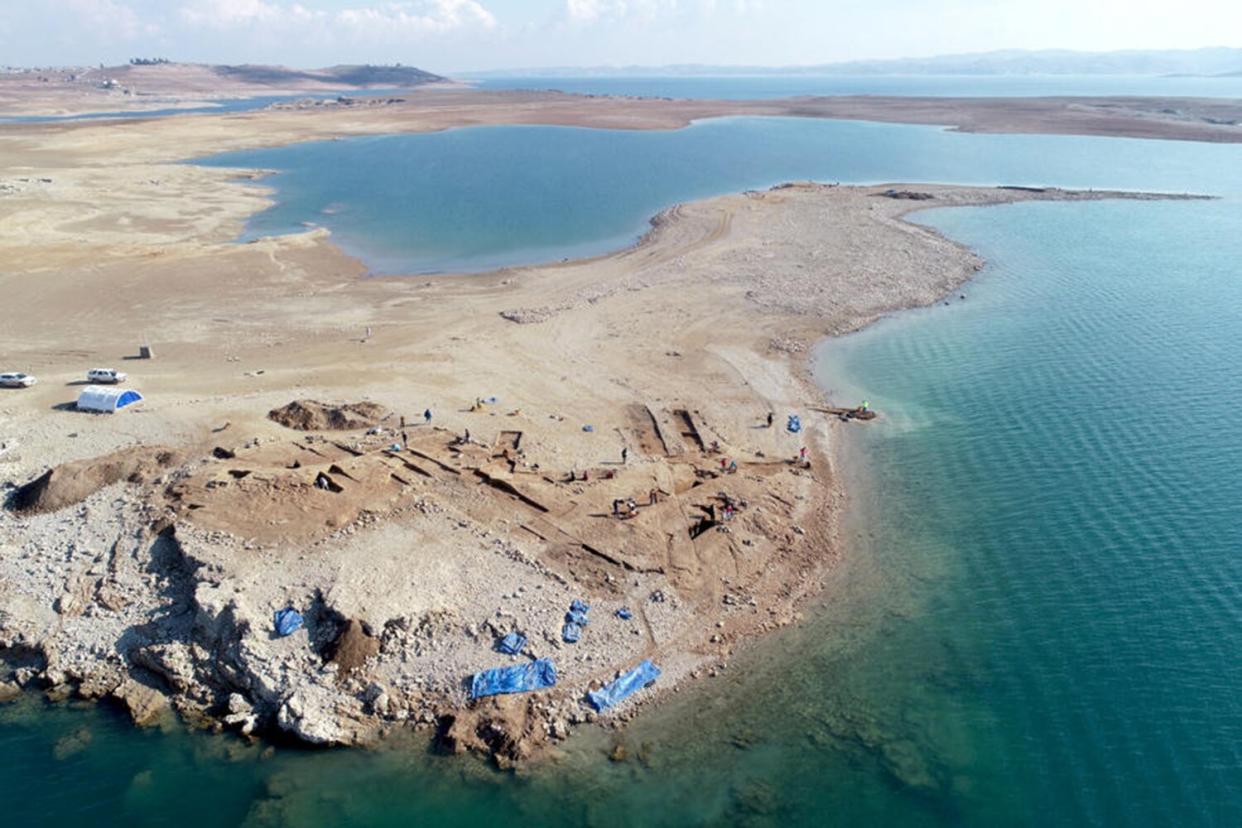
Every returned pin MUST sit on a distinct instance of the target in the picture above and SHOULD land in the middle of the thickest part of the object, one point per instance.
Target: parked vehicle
(17, 380)
(106, 376)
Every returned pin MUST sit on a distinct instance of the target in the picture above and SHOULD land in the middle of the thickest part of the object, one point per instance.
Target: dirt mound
(353, 647)
(72, 483)
(310, 415)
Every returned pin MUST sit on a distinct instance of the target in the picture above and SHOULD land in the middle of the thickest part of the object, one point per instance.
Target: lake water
(970, 86)
(1040, 618)
(486, 197)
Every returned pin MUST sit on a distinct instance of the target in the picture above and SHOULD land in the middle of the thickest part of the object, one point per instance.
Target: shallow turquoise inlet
(1040, 618)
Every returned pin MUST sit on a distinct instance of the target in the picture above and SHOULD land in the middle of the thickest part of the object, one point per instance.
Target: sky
(448, 36)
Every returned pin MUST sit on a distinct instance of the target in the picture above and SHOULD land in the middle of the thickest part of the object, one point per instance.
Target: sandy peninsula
(144, 553)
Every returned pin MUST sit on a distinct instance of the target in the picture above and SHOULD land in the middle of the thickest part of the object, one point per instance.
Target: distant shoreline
(441, 105)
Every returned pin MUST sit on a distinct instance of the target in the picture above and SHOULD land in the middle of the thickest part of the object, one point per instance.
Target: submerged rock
(146, 705)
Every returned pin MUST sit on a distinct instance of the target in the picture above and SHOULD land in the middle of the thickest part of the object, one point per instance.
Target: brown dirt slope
(72, 483)
(310, 415)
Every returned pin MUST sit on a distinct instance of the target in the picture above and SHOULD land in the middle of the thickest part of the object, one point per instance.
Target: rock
(100, 682)
(72, 744)
(9, 691)
(237, 704)
(110, 597)
(171, 662)
(318, 715)
(377, 699)
(241, 714)
(146, 705)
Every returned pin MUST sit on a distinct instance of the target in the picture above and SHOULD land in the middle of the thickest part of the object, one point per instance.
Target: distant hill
(1212, 62)
(346, 75)
(158, 77)
(154, 82)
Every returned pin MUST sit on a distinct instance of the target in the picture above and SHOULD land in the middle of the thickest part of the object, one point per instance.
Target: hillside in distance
(145, 83)
(1207, 62)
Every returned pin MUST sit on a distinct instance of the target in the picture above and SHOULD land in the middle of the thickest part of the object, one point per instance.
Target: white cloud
(591, 11)
(388, 19)
(108, 18)
(433, 16)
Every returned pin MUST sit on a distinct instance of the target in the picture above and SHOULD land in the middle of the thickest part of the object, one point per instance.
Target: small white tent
(103, 398)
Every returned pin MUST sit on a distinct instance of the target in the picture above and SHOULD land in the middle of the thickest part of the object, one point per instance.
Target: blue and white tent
(105, 398)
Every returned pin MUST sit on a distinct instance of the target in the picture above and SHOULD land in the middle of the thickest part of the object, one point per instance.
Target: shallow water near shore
(1037, 622)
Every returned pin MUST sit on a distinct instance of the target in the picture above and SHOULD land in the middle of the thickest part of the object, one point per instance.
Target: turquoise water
(1039, 619)
(969, 86)
(485, 197)
(1064, 460)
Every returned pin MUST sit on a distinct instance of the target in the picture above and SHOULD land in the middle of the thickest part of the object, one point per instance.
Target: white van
(106, 376)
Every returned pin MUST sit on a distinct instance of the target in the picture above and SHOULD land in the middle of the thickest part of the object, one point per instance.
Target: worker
(625, 455)
(427, 416)
(653, 497)
(771, 417)
(405, 440)
(802, 454)
(866, 405)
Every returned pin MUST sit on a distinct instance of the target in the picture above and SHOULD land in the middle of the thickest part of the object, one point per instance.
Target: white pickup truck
(106, 376)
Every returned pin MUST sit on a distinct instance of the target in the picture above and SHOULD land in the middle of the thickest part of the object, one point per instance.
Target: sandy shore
(148, 569)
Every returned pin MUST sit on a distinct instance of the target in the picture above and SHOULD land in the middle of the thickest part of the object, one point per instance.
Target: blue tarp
(578, 613)
(624, 686)
(795, 424)
(575, 620)
(287, 621)
(127, 398)
(511, 644)
(519, 678)
(624, 614)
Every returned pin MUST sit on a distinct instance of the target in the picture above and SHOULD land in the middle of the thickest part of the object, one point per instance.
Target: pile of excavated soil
(72, 483)
(310, 415)
(353, 647)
